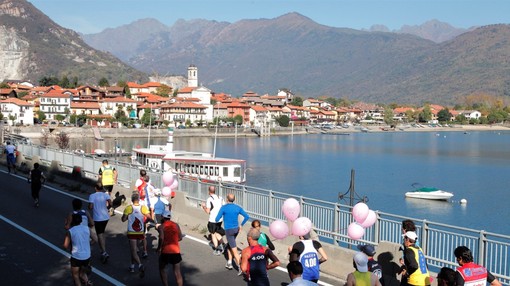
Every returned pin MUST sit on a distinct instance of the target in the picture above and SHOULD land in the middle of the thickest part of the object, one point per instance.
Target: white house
(110, 106)
(180, 112)
(54, 103)
(471, 114)
(20, 111)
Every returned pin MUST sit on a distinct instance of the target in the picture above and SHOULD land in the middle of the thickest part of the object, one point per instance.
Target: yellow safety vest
(421, 276)
(107, 176)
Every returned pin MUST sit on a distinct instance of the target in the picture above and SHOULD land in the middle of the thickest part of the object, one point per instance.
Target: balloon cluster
(171, 184)
(300, 225)
(364, 217)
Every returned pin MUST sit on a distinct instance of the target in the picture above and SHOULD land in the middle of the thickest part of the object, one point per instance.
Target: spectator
(416, 272)
(361, 276)
(446, 277)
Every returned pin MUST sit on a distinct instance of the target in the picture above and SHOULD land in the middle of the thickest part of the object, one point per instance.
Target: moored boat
(429, 193)
(195, 165)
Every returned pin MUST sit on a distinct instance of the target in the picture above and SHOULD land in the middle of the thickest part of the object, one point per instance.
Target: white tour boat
(195, 165)
(429, 193)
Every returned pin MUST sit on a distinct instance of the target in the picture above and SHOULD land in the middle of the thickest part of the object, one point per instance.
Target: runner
(255, 260)
(107, 177)
(10, 150)
(212, 207)
(169, 250)
(135, 214)
(36, 178)
(86, 218)
(77, 237)
(99, 202)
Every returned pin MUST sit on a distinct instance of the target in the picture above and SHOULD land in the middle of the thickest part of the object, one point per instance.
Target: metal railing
(330, 219)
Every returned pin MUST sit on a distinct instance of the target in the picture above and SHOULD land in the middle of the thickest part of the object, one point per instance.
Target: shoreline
(35, 132)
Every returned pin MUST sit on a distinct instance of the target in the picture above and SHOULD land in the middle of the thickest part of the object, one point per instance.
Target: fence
(330, 219)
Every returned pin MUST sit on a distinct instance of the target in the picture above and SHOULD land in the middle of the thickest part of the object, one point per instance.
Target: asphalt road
(31, 251)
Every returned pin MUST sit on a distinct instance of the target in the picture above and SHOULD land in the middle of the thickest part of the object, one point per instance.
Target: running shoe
(229, 265)
(145, 255)
(221, 248)
(132, 269)
(141, 269)
(240, 272)
(104, 257)
(217, 252)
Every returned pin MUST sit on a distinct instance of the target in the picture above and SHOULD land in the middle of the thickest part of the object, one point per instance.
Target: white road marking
(57, 249)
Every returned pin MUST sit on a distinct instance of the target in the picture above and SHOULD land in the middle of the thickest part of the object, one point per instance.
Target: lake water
(474, 166)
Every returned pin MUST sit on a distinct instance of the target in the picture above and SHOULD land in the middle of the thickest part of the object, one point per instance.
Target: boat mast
(150, 122)
(216, 131)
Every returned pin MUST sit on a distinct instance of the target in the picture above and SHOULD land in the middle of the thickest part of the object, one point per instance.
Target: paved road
(31, 251)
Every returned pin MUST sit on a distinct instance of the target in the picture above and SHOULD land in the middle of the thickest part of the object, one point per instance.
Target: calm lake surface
(474, 166)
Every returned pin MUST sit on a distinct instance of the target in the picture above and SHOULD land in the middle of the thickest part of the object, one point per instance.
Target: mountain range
(433, 62)
(33, 46)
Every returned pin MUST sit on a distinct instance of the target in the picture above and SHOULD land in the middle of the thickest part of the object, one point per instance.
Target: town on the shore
(152, 103)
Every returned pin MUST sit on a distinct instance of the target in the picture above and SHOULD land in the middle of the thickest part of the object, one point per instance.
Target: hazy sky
(92, 16)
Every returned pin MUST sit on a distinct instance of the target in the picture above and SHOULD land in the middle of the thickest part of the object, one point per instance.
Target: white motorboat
(429, 193)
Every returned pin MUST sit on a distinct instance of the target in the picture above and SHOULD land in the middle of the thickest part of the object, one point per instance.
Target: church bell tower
(192, 76)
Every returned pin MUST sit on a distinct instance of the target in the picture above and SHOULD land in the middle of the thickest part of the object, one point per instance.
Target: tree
(331, 100)
(60, 117)
(4, 85)
(103, 82)
(444, 115)
(297, 101)
(426, 114)
(64, 82)
(461, 118)
(283, 120)
(147, 117)
(497, 116)
(62, 140)
(388, 116)
(238, 120)
(40, 115)
(164, 90)
(48, 81)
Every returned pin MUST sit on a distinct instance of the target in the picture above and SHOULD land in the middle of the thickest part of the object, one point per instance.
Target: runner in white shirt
(212, 207)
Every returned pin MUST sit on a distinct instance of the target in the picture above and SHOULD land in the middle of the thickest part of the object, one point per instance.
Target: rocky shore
(87, 132)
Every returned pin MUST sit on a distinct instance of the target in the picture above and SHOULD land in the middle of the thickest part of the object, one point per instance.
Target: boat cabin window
(211, 171)
(225, 172)
(216, 171)
(237, 172)
(201, 170)
(193, 169)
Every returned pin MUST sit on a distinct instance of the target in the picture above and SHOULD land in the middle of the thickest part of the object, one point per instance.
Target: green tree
(40, 115)
(147, 117)
(426, 114)
(103, 82)
(48, 81)
(497, 116)
(388, 116)
(4, 85)
(237, 120)
(461, 118)
(444, 115)
(283, 120)
(297, 101)
(331, 100)
(64, 82)
(60, 117)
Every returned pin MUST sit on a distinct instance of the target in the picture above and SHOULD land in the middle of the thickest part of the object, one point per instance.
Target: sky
(93, 16)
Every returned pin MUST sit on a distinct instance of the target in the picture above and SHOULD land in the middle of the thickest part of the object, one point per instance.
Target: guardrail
(330, 219)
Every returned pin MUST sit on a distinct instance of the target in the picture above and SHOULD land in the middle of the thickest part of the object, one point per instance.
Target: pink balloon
(370, 220)
(355, 231)
(279, 229)
(360, 212)
(168, 178)
(166, 191)
(174, 185)
(301, 226)
(291, 209)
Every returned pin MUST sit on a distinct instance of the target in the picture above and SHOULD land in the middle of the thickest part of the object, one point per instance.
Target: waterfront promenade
(31, 250)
